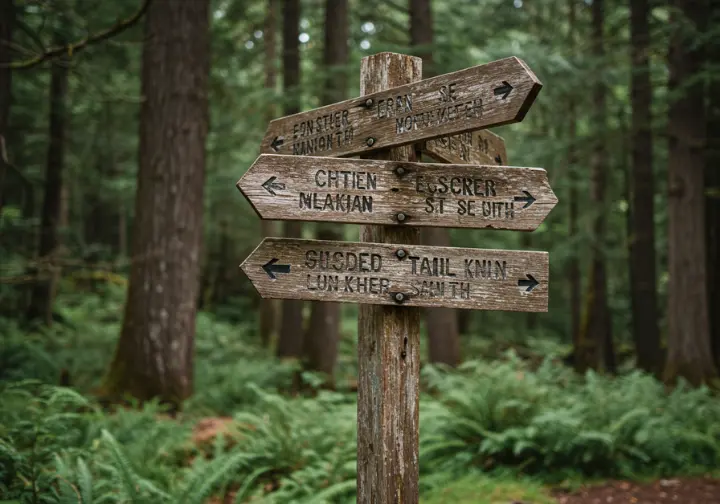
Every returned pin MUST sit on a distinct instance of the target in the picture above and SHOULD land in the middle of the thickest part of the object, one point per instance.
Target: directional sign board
(479, 97)
(480, 147)
(391, 274)
(368, 191)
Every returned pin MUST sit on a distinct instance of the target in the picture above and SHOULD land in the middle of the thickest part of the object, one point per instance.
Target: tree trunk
(323, 335)
(595, 349)
(573, 273)
(290, 341)
(43, 292)
(441, 323)
(268, 307)
(154, 356)
(712, 185)
(7, 21)
(689, 349)
(643, 292)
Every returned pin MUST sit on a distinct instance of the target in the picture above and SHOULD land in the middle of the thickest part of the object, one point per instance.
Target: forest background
(129, 333)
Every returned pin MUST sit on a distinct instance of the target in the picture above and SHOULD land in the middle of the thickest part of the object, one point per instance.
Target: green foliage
(553, 423)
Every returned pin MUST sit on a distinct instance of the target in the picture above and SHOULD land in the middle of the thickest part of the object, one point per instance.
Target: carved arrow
(531, 283)
(270, 184)
(277, 143)
(528, 199)
(503, 90)
(271, 268)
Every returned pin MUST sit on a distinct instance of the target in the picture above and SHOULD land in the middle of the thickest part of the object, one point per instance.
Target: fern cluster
(553, 423)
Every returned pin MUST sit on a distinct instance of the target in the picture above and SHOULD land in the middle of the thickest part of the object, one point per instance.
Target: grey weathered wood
(368, 191)
(477, 279)
(477, 147)
(466, 100)
(389, 342)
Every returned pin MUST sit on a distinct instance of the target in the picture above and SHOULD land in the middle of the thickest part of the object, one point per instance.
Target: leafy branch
(75, 47)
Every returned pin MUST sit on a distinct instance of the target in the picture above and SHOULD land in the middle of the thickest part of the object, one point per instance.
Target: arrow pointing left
(271, 268)
(270, 184)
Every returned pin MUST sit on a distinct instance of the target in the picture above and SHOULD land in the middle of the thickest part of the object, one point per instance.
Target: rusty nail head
(399, 297)
(400, 253)
(400, 171)
(369, 102)
(400, 217)
(370, 141)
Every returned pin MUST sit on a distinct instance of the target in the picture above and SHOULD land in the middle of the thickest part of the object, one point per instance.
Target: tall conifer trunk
(290, 340)
(646, 333)
(441, 323)
(43, 292)
(321, 340)
(154, 356)
(689, 348)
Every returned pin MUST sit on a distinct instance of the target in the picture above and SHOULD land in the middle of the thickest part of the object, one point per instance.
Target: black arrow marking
(503, 90)
(528, 199)
(271, 268)
(270, 184)
(531, 283)
(277, 143)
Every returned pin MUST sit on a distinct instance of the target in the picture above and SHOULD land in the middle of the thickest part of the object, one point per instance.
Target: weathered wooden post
(389, 273)
(389, 337)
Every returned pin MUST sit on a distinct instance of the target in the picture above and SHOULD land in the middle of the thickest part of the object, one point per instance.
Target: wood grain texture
(367, 191)
(500, 92)
(371, 273)
(480, 147)
(389, 343)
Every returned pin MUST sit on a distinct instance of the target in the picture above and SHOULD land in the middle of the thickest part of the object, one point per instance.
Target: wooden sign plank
(480, 147)
(391, 274)
(369, 191)
(479, 97)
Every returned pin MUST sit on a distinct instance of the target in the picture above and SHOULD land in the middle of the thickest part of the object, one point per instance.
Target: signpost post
(301, 176)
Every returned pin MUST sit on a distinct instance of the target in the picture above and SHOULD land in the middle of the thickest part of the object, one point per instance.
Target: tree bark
(573, 211)
(388, 343)
(643, 290)
(268, 307)
(290, 340)
(595, 350)
(689, 349)
(7, 22)
(43, 291)
(441, 323)
(712, 184)
(323, 335)
(154, 356)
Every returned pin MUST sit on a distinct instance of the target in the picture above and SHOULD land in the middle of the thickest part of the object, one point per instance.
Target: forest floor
(676, 490)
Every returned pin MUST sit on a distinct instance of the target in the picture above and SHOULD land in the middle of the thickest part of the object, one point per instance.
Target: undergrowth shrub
(553, 423)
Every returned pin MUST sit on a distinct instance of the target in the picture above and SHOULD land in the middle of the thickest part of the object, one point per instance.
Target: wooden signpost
(480, 97)
(301, 176)
(478, 147)
(393, 274)
(368, 191)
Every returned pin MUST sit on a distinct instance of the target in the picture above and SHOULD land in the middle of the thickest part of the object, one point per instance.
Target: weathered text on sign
(391, 274)
(480, 147)
(369, 191)
(479, 97)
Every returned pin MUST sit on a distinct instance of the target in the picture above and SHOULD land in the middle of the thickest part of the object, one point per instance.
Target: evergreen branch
(75, 47)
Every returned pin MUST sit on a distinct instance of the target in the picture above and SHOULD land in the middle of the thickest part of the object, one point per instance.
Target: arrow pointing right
(503, 90)
(271, 268)
(528, 199)
(531, 283)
